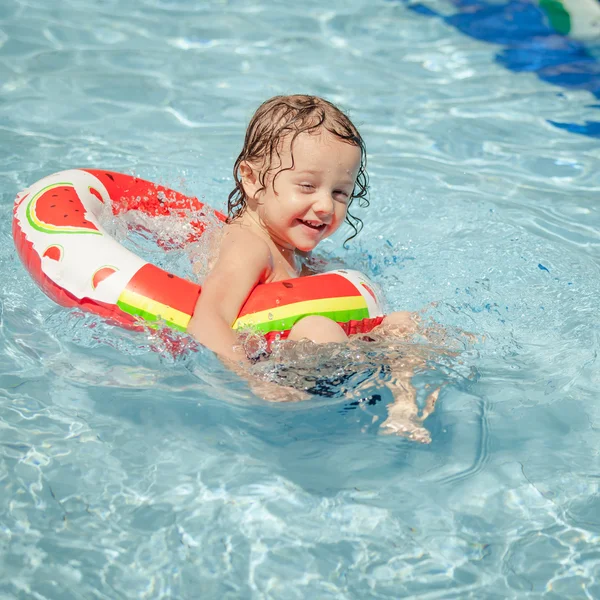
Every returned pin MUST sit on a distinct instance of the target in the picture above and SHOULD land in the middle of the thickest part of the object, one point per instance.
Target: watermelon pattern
(54, 252)
(101, 274)
(58, 209)
(95, 193)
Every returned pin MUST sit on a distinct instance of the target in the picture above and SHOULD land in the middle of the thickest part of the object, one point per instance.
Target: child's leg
(317, 329)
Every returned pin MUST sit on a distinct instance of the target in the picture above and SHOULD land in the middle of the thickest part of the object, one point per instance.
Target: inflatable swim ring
(70, 255)
(579, 19)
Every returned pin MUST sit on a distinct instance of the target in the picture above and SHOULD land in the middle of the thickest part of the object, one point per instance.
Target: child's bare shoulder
(240, 244)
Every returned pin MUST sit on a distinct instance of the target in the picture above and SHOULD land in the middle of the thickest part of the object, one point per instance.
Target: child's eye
(341, 194)
(307, 187)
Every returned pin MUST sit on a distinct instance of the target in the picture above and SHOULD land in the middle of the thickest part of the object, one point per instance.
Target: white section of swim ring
(357, 278)
(83, 254)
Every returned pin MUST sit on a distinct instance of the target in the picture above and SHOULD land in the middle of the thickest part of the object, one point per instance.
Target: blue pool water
(127, 472)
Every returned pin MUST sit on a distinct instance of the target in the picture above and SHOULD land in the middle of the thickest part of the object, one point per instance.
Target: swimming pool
(126, 472)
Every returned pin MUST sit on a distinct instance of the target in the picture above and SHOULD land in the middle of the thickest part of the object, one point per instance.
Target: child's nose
(324, 204)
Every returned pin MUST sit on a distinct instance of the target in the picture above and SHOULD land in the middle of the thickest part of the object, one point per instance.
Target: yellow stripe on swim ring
(283, 317)
(151, 310)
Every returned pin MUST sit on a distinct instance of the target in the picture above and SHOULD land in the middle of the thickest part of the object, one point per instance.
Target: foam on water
(165, 240)
(128, 470)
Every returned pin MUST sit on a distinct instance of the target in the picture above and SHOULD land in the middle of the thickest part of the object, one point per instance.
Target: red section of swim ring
(33, 264)
(152, 282)
(363, 326)
(132, 193)
(282, 293)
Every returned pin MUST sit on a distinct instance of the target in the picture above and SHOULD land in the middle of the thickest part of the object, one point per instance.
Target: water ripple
(126, 471)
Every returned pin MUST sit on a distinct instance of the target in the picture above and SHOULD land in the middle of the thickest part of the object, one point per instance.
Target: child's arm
(244, 260)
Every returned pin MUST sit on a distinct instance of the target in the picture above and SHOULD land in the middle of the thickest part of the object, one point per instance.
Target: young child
(302, 165)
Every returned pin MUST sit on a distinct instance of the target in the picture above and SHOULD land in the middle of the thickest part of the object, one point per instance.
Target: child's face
(308, 202)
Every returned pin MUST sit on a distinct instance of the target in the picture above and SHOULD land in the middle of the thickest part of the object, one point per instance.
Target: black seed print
(110, 176)
(287, 284)
(170, 275)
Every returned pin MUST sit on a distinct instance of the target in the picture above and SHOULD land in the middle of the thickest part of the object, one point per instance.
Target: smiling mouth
(312, 225)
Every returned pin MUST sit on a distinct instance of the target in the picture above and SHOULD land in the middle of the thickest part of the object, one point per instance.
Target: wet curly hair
(280, 117)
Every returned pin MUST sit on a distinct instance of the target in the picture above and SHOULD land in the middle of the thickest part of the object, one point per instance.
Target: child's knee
(318, 329)
(403, 320)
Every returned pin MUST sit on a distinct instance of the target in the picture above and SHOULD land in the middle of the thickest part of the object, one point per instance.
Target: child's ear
(249, 177)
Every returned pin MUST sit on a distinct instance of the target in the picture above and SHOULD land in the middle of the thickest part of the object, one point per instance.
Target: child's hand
(273, 392)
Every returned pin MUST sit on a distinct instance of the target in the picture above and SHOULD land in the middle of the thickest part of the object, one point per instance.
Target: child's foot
(409, 430)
